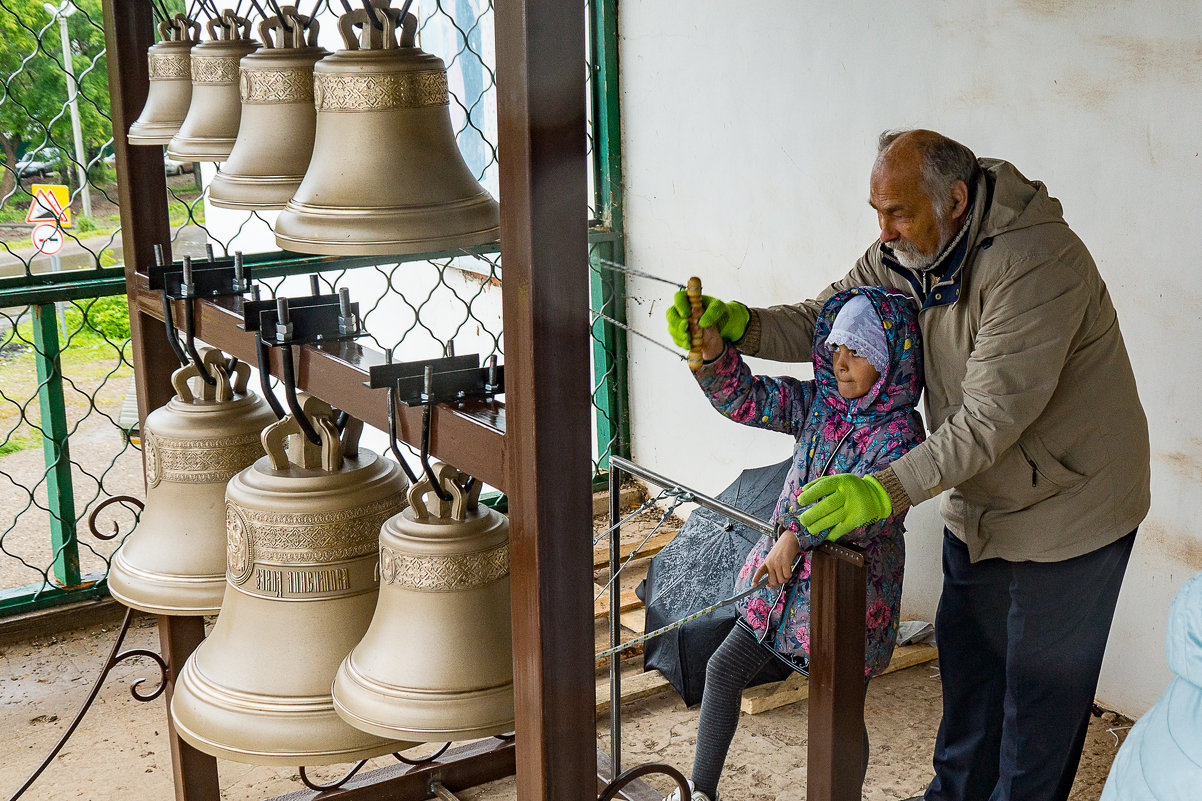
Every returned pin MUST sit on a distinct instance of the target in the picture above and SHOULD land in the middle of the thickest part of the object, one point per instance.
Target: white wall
(748, 133)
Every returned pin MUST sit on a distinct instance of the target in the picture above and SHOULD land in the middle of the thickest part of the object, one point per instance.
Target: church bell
(302, 525)
(211, 127)
(174, 561)
(170, 83)
(436, 663)
(275, 138)
(386, 175)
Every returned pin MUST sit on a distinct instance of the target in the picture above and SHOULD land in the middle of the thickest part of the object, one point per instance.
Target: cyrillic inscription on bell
(174, 561)
(302, 526)
(170, 92)
(275, 139)
(215, 112)
(386, 175)
(437, 662)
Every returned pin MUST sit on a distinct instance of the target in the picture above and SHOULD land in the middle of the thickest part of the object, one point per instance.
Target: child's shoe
(697, 795)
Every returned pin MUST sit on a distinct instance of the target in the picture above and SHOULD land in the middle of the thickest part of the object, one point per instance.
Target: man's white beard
(910, 257)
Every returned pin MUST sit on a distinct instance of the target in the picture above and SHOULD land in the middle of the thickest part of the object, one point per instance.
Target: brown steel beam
(141, 190)
(195, 772)
(470, 437)
(835, 756)
(142, 198)
(458, 769)
(540, 46)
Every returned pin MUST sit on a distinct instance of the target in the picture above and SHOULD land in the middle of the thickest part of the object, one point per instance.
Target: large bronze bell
(437, 662)
(174, 561)
(170, 83)
(211, 127)
(386, 176)
(302, 525)
(275, 139)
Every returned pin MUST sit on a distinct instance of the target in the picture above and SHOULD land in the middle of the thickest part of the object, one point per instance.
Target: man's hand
(778, 564)
(844, 504)
(731, 318)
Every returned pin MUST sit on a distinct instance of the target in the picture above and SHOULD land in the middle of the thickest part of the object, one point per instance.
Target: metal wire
(682, 498)
(647, 504)
(599, 316)
(613, 266)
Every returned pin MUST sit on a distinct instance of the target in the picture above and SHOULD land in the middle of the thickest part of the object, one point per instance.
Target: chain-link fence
(60, 457)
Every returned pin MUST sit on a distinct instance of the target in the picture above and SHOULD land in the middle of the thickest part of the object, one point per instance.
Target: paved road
(82, 254)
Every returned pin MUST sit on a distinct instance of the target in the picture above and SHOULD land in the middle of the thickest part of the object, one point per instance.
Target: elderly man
(1039, 446)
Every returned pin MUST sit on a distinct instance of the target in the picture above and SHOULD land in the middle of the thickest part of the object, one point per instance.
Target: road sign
(51, 203)
(48, 238)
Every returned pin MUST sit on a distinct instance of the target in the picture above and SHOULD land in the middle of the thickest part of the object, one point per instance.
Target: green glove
(730, 317)
(844, 504)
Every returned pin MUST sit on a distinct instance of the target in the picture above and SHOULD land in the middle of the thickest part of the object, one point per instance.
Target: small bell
(302, 526)
(211, 127)
(275, 139)
(174, 561)
(170, 83)
(445, 584)
(386, 175)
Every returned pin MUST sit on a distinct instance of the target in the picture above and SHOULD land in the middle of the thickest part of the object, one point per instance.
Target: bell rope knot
(179, 29)
(228, 27)
(455, 483)
(371, 37)
(295, 30)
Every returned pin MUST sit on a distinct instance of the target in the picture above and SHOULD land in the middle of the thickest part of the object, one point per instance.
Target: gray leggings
(738, 659)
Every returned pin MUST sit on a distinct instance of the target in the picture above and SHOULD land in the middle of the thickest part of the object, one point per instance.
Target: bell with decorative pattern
(174, 561)
(170, 90)
(275, 139)
(302, 526)
(437, 662)
(211, 127)
(386, 175)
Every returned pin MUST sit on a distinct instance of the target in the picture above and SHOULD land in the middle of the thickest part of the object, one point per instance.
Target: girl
(856, 416)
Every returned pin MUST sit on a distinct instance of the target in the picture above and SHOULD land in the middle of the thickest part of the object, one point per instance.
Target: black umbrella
(698, 568)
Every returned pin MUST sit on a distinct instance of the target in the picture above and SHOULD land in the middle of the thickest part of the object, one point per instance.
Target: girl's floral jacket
(834, 435)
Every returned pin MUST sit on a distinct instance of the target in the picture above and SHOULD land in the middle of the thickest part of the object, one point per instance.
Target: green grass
(21, 442)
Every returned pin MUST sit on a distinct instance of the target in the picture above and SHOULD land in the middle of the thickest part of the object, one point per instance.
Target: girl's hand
(778, 565)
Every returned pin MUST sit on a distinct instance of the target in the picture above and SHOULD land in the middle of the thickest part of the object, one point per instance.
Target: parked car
(39, 162)
(173, 167)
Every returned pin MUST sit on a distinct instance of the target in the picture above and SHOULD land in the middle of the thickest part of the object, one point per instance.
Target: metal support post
(195, 773)
(543, 176)
(615, 633)
(60, 495)
(837, 587)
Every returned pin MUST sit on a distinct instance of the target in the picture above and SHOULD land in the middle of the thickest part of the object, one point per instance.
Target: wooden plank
(629, 498)
(651, 548)
(635, 620)
(642, 685)
(795, 688)
(628, 600)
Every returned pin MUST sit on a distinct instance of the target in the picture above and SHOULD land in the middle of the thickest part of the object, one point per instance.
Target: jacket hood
(1183, 639)
(897, 389)
(1011, 201)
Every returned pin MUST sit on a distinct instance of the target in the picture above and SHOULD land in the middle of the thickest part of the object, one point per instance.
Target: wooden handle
(693, 290)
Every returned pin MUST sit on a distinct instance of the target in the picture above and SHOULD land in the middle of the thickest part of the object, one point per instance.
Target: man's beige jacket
(1037, 430)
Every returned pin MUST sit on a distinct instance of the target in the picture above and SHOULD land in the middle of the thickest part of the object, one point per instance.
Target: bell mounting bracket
(212, 278)
(434, 381)
(426, 384)
(311, 320)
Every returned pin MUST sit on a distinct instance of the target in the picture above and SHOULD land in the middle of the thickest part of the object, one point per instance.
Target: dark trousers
(1020, 649)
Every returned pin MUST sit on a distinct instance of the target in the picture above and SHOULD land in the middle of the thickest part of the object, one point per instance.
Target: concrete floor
(120, 751)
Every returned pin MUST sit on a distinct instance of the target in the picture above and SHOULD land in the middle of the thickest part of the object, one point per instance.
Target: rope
(615, 267)
(684, 497)
(598, 315)
(677, 624)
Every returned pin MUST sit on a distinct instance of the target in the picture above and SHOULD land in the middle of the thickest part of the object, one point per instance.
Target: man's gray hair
(944, 161)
